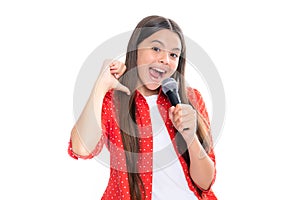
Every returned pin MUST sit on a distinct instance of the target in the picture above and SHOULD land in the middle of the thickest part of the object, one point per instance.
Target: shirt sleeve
(106, 109)
(197, 101)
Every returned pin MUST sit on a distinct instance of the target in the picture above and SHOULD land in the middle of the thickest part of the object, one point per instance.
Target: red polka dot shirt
(118, 186)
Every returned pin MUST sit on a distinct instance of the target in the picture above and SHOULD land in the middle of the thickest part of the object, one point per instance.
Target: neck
(146, 92)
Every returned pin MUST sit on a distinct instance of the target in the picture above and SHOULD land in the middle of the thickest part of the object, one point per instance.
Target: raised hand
(117, 68)
(108, 78)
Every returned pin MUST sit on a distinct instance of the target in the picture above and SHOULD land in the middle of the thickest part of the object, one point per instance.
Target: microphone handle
(173, 97)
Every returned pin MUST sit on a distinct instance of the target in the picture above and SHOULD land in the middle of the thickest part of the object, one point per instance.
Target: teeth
(159, 70)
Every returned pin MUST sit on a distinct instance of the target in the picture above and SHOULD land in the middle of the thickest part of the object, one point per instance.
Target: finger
(116, 64)
(184, 118)
(180, 117)
(183, 125)
(113, 63)
(120, 68)
(186, 123)
(185, 115)
(182, 129)
(171, 115)
(122, 88)
(186, 127)
(117, 76)
(183, 109)
(115, 67)
(115, 73)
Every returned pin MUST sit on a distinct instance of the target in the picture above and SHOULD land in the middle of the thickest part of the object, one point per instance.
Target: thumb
(122, 88)
(171, 111)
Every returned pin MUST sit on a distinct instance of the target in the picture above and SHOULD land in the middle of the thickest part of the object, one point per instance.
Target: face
(157, 59)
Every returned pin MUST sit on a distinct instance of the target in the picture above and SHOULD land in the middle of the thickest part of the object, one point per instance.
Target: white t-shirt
(169, 181)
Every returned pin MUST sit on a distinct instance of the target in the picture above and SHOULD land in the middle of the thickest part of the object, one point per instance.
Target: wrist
(196, 150)
(190, 139)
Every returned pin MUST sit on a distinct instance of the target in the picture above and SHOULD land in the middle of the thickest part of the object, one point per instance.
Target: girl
(157, 151)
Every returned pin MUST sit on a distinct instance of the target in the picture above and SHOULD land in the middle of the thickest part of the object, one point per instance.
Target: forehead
(165, 37)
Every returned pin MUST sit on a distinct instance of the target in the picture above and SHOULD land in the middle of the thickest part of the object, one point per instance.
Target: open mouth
(156, 73)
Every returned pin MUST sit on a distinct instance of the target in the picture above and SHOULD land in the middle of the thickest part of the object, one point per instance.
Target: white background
(255, 46)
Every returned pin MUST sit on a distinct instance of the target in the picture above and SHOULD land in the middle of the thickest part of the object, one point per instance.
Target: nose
(164, 57)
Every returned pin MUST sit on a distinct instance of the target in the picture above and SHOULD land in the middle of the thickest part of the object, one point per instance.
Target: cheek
(141, 70)
(138, 60)
(173, 66)
(144, 57)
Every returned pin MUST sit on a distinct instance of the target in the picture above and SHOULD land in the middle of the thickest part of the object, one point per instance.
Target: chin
(153, 86)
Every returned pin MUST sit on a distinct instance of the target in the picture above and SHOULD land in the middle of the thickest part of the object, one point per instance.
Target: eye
(156, 49)
(174, 55)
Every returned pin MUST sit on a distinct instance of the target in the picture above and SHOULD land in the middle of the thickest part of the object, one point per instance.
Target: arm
(202, 168)
(86, 132)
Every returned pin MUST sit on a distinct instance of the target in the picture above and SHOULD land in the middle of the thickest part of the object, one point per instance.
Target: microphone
(170, 88)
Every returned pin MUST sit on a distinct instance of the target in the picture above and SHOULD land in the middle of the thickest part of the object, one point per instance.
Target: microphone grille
(169, 84)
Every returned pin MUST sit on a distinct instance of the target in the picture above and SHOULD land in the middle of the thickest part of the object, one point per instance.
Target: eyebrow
(162, 44)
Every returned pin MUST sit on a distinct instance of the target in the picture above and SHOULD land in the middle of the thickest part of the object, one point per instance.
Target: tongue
(154, 73)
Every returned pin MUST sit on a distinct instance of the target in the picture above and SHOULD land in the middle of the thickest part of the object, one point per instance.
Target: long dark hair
(126, 105)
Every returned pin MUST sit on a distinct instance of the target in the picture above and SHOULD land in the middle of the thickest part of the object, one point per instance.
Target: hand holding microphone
(183, 116)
